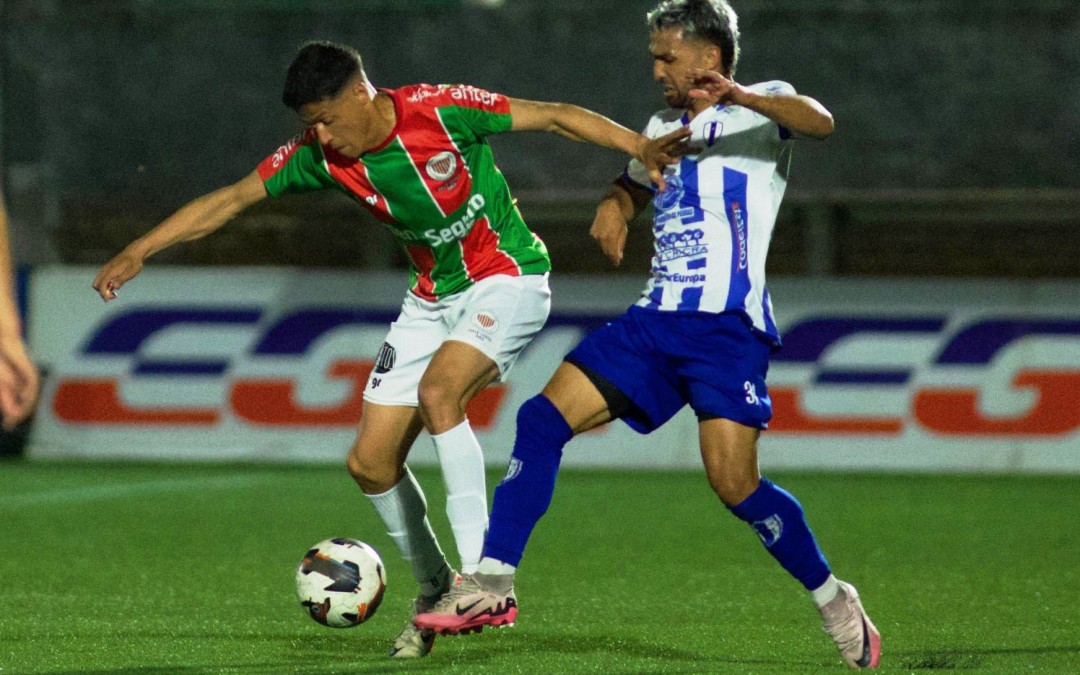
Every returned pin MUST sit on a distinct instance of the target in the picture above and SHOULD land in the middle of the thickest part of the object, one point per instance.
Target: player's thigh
(500, 315)
(455, 374)
(383, 439)
(412, 341)
(729, 453)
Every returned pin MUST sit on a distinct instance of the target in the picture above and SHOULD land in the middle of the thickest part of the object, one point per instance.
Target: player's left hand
(712, 85)
(609, 230)
(116, 273)
(656, 153)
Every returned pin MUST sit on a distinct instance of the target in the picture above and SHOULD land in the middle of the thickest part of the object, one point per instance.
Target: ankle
(492, 566)
(826, 592)
(495, 583)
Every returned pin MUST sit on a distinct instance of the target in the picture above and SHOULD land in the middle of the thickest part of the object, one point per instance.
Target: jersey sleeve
(635, 172)
(481, 112)
(771, 88)
(298, 166)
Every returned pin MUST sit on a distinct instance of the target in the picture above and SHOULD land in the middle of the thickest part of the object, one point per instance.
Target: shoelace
(849, 628)
(466, 587)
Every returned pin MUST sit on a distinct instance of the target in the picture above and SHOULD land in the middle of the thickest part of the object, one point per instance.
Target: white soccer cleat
(412, 642)
(846, 622)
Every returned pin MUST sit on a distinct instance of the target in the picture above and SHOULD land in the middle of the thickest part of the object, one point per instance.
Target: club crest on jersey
(713, 131)
(671, 194)
(441, 166)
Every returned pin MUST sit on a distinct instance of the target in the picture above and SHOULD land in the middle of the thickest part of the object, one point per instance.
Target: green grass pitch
(116, 568)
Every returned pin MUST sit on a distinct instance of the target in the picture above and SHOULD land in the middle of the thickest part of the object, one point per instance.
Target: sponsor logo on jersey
(425, 93)
(683, 244)
(282, 153)
(442, 166)
(680, 278)
(452, 232)
(738, 222)
(471, 94)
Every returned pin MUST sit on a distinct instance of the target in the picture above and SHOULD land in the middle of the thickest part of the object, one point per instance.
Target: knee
(440, 404)
(372, 476)
(734, 488)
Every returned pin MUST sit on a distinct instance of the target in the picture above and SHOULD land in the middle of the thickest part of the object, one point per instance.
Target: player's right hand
(656, 153)
(116, 273)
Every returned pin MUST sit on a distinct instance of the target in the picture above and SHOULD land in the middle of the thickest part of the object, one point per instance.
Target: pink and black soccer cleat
(478, 600)
(846, 622)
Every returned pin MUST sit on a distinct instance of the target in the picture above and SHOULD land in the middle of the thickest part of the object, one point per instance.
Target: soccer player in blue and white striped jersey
(700, 335)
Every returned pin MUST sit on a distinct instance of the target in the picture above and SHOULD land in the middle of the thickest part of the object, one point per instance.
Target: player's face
(343, 122)
(674, 59)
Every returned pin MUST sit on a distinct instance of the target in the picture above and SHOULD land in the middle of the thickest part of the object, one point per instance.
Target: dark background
(958, 123)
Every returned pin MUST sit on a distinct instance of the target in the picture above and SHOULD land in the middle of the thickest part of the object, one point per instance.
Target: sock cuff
(752, 506)
(449, 434)
(384, 496)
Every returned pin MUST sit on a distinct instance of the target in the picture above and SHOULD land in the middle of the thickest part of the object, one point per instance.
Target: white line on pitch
(121, 490)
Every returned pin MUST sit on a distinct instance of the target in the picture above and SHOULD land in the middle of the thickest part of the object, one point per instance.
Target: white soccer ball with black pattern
(340, 582)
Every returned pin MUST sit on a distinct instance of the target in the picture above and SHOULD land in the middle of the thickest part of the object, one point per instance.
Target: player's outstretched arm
(19, 380)
(613, 215)
(196, 219)
(801, 114)
(580, 124)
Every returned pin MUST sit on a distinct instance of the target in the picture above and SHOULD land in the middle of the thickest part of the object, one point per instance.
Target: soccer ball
(340, 582)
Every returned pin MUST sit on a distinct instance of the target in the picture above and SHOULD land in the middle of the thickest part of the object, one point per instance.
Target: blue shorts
(661, 361)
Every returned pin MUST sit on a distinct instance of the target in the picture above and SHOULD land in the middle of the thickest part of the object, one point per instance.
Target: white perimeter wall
(268, 364)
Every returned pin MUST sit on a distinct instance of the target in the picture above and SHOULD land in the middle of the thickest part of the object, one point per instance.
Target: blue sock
(525, 493)
(778, 519)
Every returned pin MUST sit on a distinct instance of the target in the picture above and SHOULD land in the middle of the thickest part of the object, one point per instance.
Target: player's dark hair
(319, 71)
(713, 21)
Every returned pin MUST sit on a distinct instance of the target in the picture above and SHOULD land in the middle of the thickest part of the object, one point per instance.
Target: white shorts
(498, 315)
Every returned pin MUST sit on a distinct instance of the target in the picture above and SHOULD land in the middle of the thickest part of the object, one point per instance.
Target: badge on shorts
(485, 321)
(385, 360)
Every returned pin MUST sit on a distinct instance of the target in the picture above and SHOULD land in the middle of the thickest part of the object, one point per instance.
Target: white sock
(403, 510)
(492, 566)
(462, 463)
(824, 593)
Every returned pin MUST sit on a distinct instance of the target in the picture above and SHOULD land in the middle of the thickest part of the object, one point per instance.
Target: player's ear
(360, 87)
(715, 59)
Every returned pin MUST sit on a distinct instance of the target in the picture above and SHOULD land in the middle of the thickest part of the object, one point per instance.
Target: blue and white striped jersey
(714, 221)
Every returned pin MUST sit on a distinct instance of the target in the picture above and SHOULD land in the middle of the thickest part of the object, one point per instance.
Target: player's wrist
(139, 250)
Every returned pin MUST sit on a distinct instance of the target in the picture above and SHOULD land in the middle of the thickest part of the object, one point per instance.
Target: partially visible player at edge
(701, 334)
(417, 157)
(19, 379)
